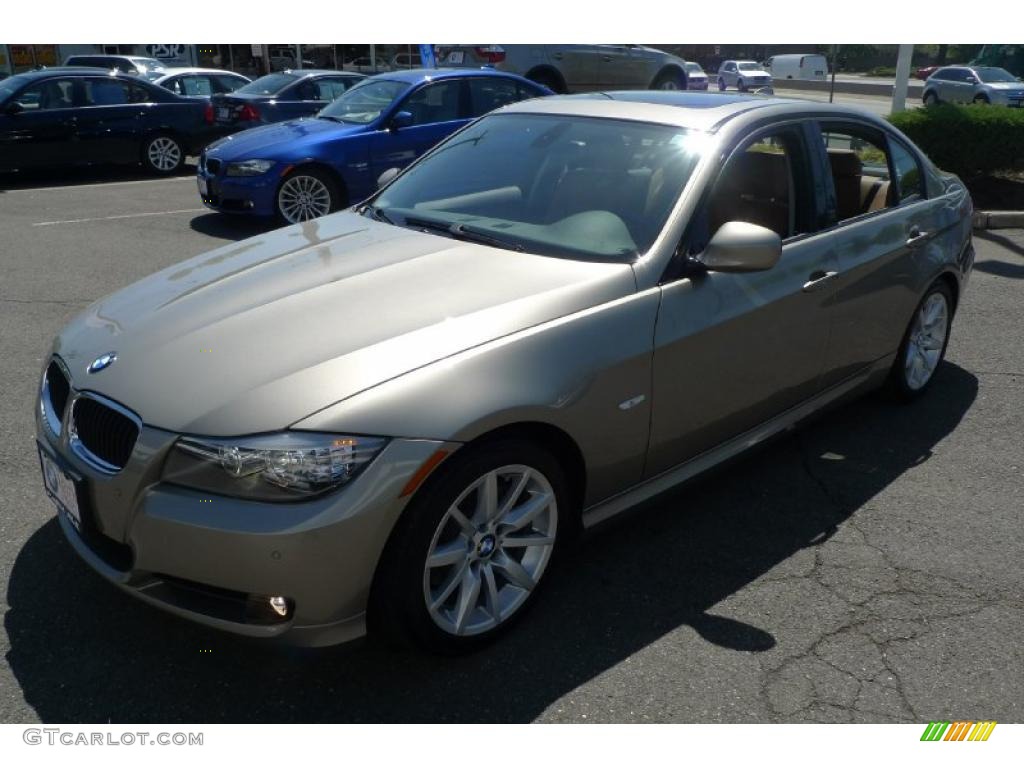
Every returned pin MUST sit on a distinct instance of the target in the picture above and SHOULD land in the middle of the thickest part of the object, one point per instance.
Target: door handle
(915, 236)
(817, 279)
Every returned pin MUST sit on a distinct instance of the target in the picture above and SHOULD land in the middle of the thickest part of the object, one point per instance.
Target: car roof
(79, 71)
(686, 109)
(422, 75)
(317, 72)
(198, 70)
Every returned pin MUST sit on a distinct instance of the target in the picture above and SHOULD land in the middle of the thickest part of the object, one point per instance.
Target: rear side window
(909, 177)
(227, 83)
(193, 85)
(108, 92)
(858, 159)
(330, 88)
(489, 93)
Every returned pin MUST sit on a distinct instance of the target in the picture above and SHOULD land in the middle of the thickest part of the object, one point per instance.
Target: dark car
(143, 66)
(80, 116)
(302, 169)
(281, 96)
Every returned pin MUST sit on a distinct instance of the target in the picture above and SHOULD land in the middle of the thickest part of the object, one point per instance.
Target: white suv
(743, 75)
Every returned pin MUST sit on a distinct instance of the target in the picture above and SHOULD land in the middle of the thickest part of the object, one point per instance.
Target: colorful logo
(961, 730)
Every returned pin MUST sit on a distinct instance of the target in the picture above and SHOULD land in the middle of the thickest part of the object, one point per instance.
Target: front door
(437, 110)
(734, 350)
(42, 132)
(110, 120)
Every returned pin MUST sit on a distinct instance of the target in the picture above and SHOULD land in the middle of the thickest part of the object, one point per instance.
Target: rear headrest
(845, 163)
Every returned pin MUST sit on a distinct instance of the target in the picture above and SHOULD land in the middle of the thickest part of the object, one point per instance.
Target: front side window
(763, 183)
(908, 173)
(435, 103)
(859, 164)
(364, 102)
(49, 94)
(567, 186)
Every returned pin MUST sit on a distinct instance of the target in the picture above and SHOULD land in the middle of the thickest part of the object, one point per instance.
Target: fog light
(279, 605)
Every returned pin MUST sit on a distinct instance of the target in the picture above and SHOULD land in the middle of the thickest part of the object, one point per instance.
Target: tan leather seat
(846, 176)
(754, 188)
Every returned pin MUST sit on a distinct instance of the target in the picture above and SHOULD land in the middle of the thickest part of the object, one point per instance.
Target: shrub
(882, 72)
(968, 140)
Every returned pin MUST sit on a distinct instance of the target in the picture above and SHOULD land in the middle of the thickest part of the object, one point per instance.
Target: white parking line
(76, 187)
(121, 216)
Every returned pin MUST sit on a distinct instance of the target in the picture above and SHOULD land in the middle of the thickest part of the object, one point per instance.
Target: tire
(548, 79)
(162, 154)
(929, 99)
(306, 194)
(740, 86)
(920, 342)
(721, 84)
(981, 99)
(404, 584)
(671, 80)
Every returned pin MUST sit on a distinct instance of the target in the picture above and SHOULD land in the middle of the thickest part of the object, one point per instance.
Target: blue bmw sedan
(301, 169)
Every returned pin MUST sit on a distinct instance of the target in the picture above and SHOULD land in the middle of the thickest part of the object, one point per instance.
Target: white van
(798, 66)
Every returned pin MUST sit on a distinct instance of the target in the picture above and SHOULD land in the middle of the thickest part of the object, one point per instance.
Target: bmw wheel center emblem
(102, 362)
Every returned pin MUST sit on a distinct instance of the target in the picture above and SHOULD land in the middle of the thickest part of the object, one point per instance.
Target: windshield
(748, 66)
(148, 63)
(364, 102)
(576, 187)
(268, 85)
(694, 68)
(994, 75)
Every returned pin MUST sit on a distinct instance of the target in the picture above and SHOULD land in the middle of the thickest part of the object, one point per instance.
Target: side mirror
(739, 246)
(386, 177)
(401, 119)
(13, 108)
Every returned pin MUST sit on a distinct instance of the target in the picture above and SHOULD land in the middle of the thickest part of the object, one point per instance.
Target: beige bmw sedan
(393, 417)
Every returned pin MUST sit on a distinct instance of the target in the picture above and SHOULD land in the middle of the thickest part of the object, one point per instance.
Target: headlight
(284, 466)
(249, 167)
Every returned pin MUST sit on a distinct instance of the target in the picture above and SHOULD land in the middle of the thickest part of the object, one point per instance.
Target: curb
(998, 219)
(914, 90)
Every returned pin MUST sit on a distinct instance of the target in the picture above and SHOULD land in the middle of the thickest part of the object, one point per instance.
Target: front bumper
(252, 195)
(206, 558)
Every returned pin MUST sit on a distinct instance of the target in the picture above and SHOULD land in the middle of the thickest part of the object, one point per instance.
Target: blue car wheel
(307, 194)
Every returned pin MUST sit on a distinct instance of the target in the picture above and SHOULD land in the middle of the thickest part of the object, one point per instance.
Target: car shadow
(83, 651)
(82, 176)
(998, 239)
(226, 226)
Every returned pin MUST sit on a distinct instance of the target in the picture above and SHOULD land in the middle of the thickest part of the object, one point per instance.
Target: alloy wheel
(164, 154)
(926, 342)
(302, 198)
(490, 550)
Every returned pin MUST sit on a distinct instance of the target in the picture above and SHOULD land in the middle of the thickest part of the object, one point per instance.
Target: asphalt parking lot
(867, 568)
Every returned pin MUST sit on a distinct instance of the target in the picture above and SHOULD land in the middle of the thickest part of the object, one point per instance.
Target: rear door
(579, 65)
(310, 96)
(882, 228)
(621, 67)
(438, 109)
(43, 132)
(734, 350)
(111, 120)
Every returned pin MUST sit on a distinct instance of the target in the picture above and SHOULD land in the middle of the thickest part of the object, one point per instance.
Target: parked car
(280, 96)
(923, 73)
(978, 85)
(81, 116)
(696, 77)
(143, 66)
(367, 65)
(397, 415)
(302, 169)
(406, 61)
(743, 75)
(571, 68)
(196, 81)
(797, 66)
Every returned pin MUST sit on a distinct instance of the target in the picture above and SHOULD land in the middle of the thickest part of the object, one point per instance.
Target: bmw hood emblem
(101, 362)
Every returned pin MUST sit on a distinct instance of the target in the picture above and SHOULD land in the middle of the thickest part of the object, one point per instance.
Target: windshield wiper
(462, 232)
(335, 118)
(377, 214)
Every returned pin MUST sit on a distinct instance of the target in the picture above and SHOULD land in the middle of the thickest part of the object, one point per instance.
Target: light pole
(899, 90)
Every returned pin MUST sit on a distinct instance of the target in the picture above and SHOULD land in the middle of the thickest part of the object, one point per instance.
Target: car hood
(753, 73)
(259, 334)
(242, 145)
(1005, 86)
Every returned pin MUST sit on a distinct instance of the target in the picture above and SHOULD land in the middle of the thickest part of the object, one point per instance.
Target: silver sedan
(395, 416)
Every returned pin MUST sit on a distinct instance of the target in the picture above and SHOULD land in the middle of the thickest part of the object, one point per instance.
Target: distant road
(879, 105)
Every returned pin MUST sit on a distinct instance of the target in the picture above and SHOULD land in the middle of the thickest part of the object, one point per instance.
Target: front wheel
(981, 99)
(721, 84)
(469, 554)
(670, 81)
(740, 86)
(306, 194)
(924, 343)
(930, 99)
(162, 154)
